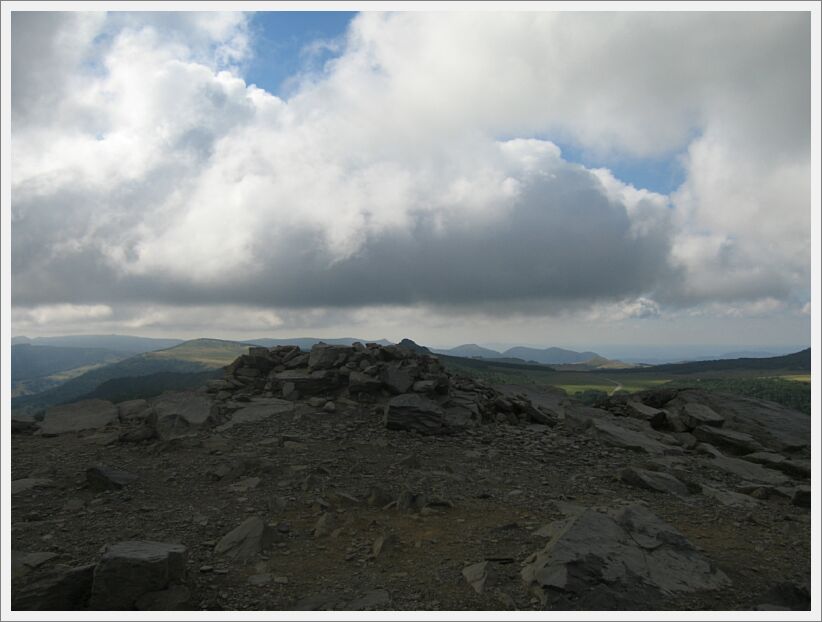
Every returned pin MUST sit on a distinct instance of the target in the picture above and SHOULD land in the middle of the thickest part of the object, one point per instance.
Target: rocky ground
(368, 478)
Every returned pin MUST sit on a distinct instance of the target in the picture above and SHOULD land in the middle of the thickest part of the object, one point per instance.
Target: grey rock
(624, 548)
(324, 356)
(476, 575)
(79, 416)
(748, 471)
(133, 411)
(653, 480)
(174, 415)
(23, 563)
(413, 412)
(130, 570)
(735, 442)
(730, 498)
(61, 588)
(257, 412)
(612, 434)
(686, 439)
(360, 382)
(29, 483)
(638, 410)
(397, 380)
(325, 525)
(694, 414)
(245, 542)
(105, 478)
(24, 426)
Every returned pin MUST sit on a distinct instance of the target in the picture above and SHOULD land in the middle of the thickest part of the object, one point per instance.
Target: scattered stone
(802, 497)
(245, 542)
(476, 575)
(326, 524)
(384, 543)
(330, 407)
(729, 498)
(130, 570)
(175, 415)
(23, 563)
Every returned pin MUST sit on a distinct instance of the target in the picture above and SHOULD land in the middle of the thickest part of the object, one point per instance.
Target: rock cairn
(411, 388)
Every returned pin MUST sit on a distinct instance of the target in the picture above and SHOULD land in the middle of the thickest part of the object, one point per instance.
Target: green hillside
(196, 356)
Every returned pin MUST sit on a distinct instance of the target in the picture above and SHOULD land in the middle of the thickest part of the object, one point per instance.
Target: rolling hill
(30, 361)
(196, 356)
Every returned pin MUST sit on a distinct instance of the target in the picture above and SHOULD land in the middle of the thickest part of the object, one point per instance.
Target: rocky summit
(368, 477)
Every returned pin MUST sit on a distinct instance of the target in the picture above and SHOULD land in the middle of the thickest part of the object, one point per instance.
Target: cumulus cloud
(418, 167)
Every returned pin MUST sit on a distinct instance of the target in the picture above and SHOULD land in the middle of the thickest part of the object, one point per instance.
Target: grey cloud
(563, 240)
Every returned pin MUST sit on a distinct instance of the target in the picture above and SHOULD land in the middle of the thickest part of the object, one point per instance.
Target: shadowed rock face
(628, 547)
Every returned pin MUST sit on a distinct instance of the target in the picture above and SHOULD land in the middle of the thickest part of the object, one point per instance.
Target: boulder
(256, 412)
(397, 379)
(653, 480)
(23, 426)
(413, 412)
(359, 382)
(735, 442)
(61, 588)
(476, 575)
(79, 416)
(174, 415)
(324, 356)
(626, 549)
(730, 498)
(129, 570)
(694, 414)
(133, 411)
(638, 410)
(245, 542)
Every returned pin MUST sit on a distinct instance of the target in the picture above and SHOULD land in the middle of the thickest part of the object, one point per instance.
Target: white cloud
(415, 168)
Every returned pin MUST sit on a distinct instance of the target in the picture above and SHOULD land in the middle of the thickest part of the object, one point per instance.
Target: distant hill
(409, 344)
(144, 387)
(550, 356)
(196, 356)
(31, 361)
(118, 343)
(798, 361)
(470, 350)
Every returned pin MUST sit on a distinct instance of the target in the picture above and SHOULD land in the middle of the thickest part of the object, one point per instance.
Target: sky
(586, 180)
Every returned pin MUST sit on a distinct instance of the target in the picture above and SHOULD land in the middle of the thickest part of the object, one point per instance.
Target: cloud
(418, 167)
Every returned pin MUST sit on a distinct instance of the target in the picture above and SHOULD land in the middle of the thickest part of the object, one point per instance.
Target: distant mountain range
(545, 356)
(118, 343)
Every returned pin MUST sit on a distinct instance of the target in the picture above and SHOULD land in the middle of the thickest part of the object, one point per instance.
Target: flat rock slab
(730, 498)
(618, 436)
(246, 541)
(625, 548)
(23, 563)
(736, 442)
(129, 570)
(416, 413)
(61, 588)
(694, 414)
(29, 483)
(748, 471)
(174, 415)
(105, 478)
(258, 412)
(653, 480)
(84, 415)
